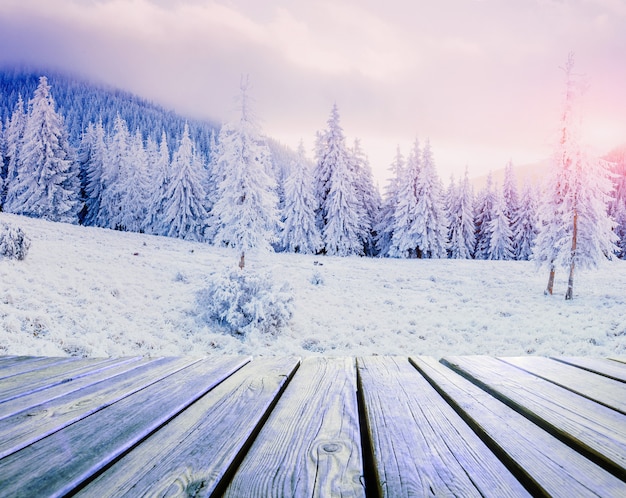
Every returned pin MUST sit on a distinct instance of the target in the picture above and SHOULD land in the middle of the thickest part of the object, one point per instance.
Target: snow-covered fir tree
(300, 232)
(386, 220)
(620, 228)
(92, 158)
(245, 213)
(368, 197)
(184, 214)
(159, 179)
(525, 224)
(406, 237)
(13, 133)
(431, 220)
(114, 176)
(47, 184)
(462, 238)
(510, 196)
(134, 186)
(501, 236)
(575, 229)
(483, 215)
(338, 215)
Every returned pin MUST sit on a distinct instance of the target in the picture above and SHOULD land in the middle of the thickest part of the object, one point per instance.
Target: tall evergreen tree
(158, 183)
(405, 239)
(386, 223)
(245, 211)
(501, 236)
(525, 224)
(431, 220)
(461, 217)
(13, 134)
(509, 192)
(114, 176)
(134, 186)
(338, 214)
(184, 215)
(47, 184)
(92, 156)
(300, 232)
(575, 229)
(620, 228)
(483, 215)
(368, 197)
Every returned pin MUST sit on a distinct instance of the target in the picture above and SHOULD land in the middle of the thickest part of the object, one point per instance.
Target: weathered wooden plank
(31, 425)
(59, 463)
(310, 445)
(27, 401)
(594, 429)
(602, 366)
(22, 364)
(421, 446)
(544, 464)
(620, 359)
(608, 392)
(37, 380)
(191, 454)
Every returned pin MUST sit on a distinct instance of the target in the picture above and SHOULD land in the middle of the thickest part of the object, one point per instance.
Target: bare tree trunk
(550, 281)
(570, 281)
(242, 260)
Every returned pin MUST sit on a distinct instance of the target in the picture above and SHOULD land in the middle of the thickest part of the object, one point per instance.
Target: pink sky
(480, 78)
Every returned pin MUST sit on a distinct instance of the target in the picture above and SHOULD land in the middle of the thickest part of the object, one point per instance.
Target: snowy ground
(94, 292)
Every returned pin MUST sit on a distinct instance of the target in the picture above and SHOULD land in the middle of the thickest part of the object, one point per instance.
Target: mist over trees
(133, 166)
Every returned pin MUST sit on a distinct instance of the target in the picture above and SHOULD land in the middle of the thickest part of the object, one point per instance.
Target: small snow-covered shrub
(14, 244)
(243, 301)
(317, 278)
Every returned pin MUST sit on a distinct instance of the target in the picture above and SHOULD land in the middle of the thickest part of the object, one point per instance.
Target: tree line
(243, 193)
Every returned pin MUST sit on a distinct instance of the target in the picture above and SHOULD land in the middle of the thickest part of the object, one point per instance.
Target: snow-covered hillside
(97, 292)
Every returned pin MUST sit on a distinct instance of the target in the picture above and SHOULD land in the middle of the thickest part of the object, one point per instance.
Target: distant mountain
(82, 102)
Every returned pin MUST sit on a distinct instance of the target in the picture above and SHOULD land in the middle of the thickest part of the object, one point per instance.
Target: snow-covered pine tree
(158, 181)
(510, 196)
(386, 221)
(405, 238)
(134, 187)
(113, 176)
(620, 228)
(13, 133)
(3, 170)
(338, 215)
(368, 196)
(525, 224)
(300, 232)
(501, 236)
(184, 214)
(431, 220)
(92, 170)
(461, 218)
(575, 228)
(245, 214)
(483, 215)
(47, 184)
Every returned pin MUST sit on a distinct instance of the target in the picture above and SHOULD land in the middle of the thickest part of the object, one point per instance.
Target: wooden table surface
(319, 426)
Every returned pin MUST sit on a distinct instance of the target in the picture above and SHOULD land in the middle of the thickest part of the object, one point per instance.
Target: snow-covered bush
(14, 244)
(243, 301)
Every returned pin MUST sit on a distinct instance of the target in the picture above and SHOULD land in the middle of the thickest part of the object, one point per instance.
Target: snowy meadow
(96, 292)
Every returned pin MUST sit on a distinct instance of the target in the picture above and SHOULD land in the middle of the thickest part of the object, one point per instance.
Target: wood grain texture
(27, 401)
(31, 425)
(596, 429)
(192, 453)
(543, 463)
(421, 446)
(608, 392)
(53, 375)
(608, 368)
(310, 445)
(59, 463)
(21, 364)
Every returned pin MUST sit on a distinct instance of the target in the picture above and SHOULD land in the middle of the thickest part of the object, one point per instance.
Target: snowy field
(95, 292)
